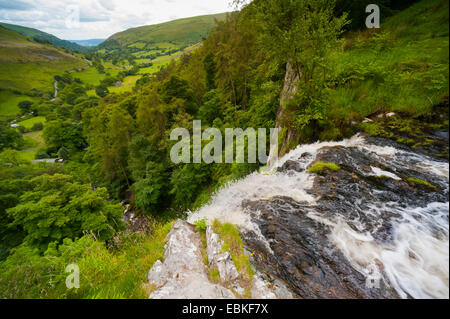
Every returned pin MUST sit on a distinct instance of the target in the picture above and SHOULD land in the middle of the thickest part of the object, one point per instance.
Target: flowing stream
(56, 90)
(366, 231)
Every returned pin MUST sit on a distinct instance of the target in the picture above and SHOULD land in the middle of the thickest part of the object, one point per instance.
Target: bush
(37, 127)
(41, 154)
(58, 208)
(116, 273)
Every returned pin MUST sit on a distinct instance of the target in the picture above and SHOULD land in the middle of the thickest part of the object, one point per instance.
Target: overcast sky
(101, 18)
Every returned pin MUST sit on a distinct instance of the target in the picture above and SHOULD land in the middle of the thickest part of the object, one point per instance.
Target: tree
(12, 158)
(211, 70)
(187, 181)
(301, 34)
(25, 106)
(102, 90)
(10, 138)
(109, 129)
(178, 88)
(210, 110)
(57, 208)
(234, 40)
(151, 192)
(58, 134)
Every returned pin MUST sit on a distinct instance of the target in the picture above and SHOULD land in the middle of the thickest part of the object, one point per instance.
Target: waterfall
(366, 220)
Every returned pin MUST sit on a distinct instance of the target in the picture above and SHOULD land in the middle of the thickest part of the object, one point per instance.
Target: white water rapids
(415, 262)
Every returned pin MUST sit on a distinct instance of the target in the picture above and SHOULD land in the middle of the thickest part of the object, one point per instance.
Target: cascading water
(365, 231)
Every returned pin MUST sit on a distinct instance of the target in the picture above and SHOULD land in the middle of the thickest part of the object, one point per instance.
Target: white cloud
(102, 18)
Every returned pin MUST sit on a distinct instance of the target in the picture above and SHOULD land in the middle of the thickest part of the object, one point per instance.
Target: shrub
(37, 127)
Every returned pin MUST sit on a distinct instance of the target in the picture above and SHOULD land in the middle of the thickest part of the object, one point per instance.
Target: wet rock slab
(302, 254)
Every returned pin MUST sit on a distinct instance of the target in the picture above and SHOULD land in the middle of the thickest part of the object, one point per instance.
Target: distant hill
(88, 43)
(183, 32)
(26, 64)
(153, 47)
(40, 35)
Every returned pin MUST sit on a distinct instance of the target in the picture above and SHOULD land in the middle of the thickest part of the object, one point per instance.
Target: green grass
(89, 76)
(154, 68)
(127, 84)
(9, 102)
(183, 31)
(31, 121)
(27, 65)
(117, 272)
(401, 67)
(30, 32)
(34, 141)
(320, 167)
(214, 275)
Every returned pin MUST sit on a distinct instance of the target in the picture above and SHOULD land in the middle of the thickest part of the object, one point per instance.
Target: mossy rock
(320, 167)
(419, 182)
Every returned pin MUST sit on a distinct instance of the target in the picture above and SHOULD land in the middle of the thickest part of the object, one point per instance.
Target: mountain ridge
(163, 32)
(41, 35)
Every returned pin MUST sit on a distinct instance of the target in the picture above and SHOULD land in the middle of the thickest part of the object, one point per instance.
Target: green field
(89, 76)
(127, 84)
(35, 141)
(9, 102)
(402, 68)
(154, 68)
(34, 33)
(30, 122)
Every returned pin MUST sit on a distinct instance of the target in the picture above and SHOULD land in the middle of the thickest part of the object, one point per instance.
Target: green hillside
(25, 64)
(183, 32)
(153, 47)
(43, 37)
(28, 68)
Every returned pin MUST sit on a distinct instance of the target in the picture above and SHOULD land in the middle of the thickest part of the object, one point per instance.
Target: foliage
(201, 225)
(186, 183)
(9, 138)
(25, 106)
(56, 208)
(59, 133)
(116, 273)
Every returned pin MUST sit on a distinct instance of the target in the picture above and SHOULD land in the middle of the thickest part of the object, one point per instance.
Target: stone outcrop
(184, 275)
(135, 223)
(289, 90)
(222, 261)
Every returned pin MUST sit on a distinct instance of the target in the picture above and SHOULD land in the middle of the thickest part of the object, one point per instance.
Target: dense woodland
(116, 147)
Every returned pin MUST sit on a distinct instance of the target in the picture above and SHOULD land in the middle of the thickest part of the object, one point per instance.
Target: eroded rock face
(218, 259)
(135, 223)
(183, 274)
(302, 254)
